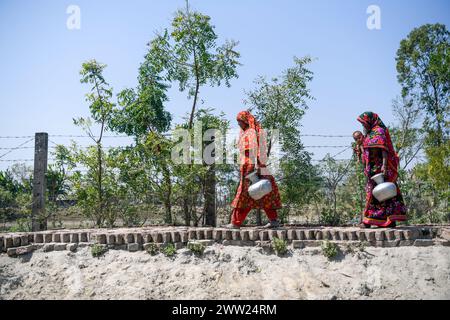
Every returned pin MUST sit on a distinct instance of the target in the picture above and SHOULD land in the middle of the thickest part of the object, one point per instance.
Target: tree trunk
(197, 87)
(43, 224)
(334, 205)
(258, 217)
(210, 197)
(168, 195)
(191, 118)
(99, 184)
(193, 208)
(187, 213)
(168, 211)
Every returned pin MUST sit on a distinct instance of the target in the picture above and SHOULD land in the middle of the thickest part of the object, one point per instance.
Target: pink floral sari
(378, 139)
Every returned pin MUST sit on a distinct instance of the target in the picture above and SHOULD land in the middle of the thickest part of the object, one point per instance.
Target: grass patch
(349, 249)
(330, 249)
(362, 246)
(152, 249)
(280, 246)
(196, 248)
(169, 250)
(98, 250)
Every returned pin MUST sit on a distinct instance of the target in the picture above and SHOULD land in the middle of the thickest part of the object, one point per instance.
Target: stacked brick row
(15, 244)
(18, 244)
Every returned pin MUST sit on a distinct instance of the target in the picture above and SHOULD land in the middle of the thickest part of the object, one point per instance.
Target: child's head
(358, 137)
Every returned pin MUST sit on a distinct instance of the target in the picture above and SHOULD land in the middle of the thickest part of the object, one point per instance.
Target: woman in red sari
(380, 157)
(252, 147)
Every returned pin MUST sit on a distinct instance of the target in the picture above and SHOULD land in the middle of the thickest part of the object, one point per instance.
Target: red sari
(252, 147)
(376, 141)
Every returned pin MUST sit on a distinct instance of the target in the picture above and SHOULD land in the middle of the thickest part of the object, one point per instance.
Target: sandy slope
(229, 273)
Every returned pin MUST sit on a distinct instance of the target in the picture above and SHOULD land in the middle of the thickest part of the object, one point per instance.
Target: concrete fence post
(39, 181)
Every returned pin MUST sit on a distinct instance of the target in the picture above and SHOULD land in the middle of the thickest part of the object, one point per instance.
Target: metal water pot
(259, 187)
(384, 190)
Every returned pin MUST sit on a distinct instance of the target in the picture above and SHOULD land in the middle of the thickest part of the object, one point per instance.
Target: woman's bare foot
(392, 224)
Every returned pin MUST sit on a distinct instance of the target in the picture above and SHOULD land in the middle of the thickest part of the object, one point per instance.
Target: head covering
(253, 137)
(378, 137)
(371, 120)
(378, 134)
(248, 118)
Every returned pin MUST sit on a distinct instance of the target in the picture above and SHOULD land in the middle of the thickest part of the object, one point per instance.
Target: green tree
(217, 126)
(58, 183)
(97, 201)
(189, 55)
(281, 104)
(101, 110)
(199, 180)
(407, 135)
(8, 192)
(153, 156)
(423, 66)
(334, 174)
(15, 196)
(141, 114)
(351, 192)
(57, 175)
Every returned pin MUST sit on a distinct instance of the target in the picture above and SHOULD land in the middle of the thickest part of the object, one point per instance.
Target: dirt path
(228, 272)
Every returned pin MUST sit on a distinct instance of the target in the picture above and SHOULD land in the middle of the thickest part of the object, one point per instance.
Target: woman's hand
(384, 166)
(384, 170)
(262, 170)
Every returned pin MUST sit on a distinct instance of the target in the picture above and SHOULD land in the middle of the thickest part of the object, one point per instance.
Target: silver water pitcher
(259, 187)
(384, 190)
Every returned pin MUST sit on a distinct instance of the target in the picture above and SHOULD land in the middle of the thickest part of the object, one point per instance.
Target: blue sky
(40, 57)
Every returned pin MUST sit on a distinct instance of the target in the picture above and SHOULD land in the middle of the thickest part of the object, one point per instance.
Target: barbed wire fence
(30, 139)
(24, 144)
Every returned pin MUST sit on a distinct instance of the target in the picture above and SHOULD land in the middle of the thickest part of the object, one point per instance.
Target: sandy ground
(229, 273)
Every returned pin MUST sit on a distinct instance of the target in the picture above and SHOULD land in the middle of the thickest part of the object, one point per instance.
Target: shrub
(328, 217)
(362, 246)
(22, 225)
(349, 248)
(196, 247)
(329, 249)
(153, 249)
(169, 250)
(98, 250)
(280, 246)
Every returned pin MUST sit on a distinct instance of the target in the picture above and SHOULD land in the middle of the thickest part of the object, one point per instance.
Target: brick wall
(139, 238)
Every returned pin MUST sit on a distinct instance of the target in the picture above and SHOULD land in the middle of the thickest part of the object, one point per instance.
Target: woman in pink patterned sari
(380, 157)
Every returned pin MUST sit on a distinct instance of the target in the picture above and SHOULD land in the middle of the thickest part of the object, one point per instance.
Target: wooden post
(39, 181)
(258, 217)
